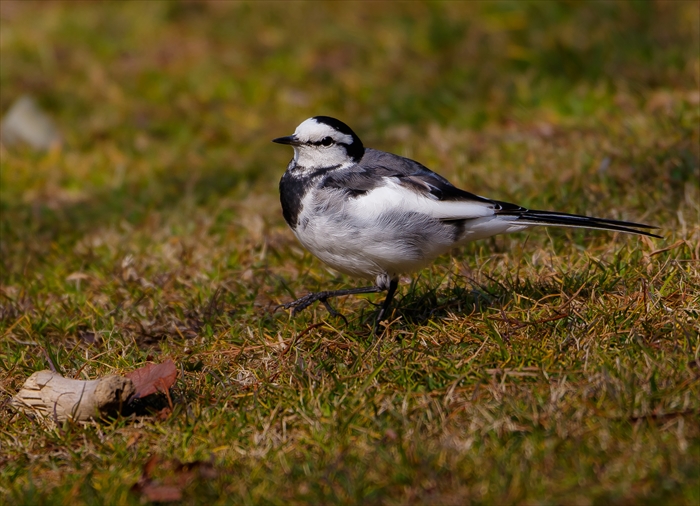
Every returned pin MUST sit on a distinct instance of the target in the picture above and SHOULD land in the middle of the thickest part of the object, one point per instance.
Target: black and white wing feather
(390, 177)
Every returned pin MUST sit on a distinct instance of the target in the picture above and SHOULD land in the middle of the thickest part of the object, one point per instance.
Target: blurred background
(164, 107)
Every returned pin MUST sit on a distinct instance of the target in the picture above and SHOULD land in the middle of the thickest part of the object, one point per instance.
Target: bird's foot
(302, 303)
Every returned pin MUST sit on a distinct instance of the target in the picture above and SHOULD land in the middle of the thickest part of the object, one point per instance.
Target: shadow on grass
(421, 304)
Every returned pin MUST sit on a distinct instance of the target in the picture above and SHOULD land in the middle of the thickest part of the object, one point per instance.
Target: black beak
(290, 139)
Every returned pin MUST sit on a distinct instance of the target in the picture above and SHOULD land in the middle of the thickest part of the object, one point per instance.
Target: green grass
(554, 367)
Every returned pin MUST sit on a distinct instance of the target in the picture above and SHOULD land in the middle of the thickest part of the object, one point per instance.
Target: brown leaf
(153, 490)
(164, 414)
(153, 378)
(133, 439)
(150, 466)
(178, 476)
(161, 493)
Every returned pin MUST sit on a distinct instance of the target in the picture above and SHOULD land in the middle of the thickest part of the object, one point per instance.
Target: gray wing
(376, 165)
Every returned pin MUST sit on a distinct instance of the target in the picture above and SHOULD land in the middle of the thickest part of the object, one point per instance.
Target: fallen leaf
(153, 378)
(164, 414)
(133, 439)
(150, 466)
(161, 493)
(153, 490)
(170, 488)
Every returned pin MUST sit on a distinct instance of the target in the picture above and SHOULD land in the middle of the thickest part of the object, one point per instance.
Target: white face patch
(312, 154)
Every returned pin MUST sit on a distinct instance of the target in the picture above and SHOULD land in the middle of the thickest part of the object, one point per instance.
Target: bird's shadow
(468, 296)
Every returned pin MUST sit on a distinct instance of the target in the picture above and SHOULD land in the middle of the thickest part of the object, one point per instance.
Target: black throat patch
(292, 191)
(294, 185)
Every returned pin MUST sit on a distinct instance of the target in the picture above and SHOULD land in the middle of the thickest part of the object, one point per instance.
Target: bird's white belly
(368, 245)
(359, 254)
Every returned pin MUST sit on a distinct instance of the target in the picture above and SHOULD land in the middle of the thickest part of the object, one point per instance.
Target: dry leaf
(154, 491)
(170, 489)
(153, 378)
(160, 493)
(164, 414)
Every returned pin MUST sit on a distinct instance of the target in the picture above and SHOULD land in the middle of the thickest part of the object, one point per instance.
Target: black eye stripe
(323, 142)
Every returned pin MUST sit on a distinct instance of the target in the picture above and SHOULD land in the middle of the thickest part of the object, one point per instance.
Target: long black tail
(578, 221)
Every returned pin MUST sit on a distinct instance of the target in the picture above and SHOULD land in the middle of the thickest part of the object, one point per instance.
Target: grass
(554, 367)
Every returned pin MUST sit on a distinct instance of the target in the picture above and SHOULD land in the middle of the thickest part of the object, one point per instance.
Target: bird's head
(322, 141)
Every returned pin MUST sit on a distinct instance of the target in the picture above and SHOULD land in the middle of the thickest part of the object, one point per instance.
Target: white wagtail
(377, 215)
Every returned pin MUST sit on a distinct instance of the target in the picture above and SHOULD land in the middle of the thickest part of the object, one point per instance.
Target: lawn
(550, 367)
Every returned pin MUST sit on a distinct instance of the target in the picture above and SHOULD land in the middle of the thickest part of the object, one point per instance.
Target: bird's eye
(327, 141)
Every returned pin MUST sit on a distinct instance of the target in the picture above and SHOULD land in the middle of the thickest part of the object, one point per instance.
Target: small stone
(25, 122)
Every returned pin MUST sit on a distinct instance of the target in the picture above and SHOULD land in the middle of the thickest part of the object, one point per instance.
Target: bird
(376, 215)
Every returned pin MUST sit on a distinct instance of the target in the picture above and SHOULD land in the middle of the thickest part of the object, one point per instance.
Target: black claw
(333, 311)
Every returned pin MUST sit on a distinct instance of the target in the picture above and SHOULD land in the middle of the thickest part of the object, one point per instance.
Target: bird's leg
(387, 302)
(305, 301)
